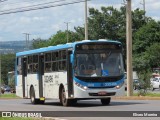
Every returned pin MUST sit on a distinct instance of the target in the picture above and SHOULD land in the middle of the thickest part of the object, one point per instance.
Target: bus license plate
(102, 93)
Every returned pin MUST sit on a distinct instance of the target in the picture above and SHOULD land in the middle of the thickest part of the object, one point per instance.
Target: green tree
(61, 37)
(105, 24)
(11, 79)
(7, 65)
(110, 23)
(138, 19)
(144, 62)
(146, 36)
(146, 46)
(39, 43)
(152, 54)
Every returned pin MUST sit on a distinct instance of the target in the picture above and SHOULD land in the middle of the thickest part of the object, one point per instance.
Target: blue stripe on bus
(99, 84)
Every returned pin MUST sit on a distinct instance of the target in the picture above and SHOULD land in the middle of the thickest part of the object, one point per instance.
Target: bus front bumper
(97, 93)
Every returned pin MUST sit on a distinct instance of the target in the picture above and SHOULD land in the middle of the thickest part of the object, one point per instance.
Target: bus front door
(41, 73)
(24, 78)
(69, 73)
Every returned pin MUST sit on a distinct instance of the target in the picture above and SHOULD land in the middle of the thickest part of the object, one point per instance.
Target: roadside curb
(136, 98)
(45, 118)
(49, 118)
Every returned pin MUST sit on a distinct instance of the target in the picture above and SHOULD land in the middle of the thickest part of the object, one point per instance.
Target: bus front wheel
(32, 96)
(105, 101)
(63, 99)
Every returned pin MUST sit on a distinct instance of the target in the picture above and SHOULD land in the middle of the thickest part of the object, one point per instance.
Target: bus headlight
(85, 87)
(120, 85)
(81, 86)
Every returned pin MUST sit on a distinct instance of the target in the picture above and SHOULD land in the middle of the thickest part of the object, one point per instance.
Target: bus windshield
(99, 64)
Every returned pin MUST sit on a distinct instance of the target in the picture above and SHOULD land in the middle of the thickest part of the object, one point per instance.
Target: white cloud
(153, 6)
(24, 20)
(156, 18)
(38, 18)
(1, 38)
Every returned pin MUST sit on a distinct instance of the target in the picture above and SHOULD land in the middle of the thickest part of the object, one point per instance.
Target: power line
(42, 7)
(33, 5)
(24, 1)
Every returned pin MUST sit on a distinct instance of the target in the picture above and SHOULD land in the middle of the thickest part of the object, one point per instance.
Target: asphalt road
(87, 105)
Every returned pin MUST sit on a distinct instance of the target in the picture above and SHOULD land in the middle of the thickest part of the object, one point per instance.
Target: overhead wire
(36, 7)
(33, 5)
(24, 2)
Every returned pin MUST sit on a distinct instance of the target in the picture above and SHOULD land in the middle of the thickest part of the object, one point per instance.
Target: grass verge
(149, 94)
(136, 96)
(9, 95)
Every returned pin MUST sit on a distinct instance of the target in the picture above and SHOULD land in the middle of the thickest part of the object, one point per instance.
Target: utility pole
(144, 7)
(86, 21)
(129, 48)
(67, 29)
(27, 40)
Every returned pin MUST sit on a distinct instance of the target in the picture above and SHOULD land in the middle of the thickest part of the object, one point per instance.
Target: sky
(46, 22)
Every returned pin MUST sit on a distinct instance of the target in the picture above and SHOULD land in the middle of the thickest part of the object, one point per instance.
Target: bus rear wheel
(106, 101)
(63, 99)
(32, 96)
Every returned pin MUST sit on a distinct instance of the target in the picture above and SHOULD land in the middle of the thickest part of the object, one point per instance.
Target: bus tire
(63, 99)
(41, 102)
(73, 101)
(106, 101)
(32, 96)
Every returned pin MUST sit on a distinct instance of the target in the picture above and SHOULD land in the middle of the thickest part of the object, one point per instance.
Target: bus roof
(62, 46)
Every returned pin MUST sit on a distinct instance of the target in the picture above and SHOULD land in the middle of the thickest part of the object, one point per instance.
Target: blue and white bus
(89, 69)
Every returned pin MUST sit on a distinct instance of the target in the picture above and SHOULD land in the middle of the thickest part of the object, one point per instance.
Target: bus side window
(54, 66)
(35, 63)
(30, 68)
(62, 65)
(30, 62)
(35, 67)
(48, 67)
(62, 60)
(54, 56)
(63, 54)
(47, 57)
(19, 66)
(55, 59)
